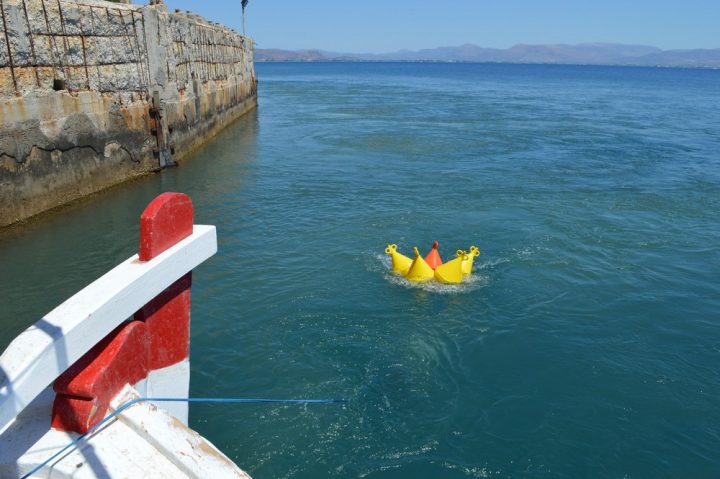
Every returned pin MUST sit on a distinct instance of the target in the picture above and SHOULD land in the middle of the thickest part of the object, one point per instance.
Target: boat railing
(128, 323)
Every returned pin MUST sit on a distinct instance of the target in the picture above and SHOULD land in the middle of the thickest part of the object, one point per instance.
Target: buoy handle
(475, 251)
(460, 253)
(391, 248)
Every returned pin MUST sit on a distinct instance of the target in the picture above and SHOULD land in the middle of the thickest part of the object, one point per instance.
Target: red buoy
(433, 257)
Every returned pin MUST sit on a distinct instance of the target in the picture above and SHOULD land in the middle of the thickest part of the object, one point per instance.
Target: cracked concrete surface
(76, 82)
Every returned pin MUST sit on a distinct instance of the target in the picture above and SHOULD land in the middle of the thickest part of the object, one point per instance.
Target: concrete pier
(93, 93)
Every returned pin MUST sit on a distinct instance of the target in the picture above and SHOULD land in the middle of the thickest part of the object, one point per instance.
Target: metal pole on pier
(244, 4)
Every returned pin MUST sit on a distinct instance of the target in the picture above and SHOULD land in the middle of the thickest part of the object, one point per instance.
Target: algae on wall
(93, 93)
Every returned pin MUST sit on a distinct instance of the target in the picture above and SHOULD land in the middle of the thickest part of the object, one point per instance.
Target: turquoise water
(587, 343)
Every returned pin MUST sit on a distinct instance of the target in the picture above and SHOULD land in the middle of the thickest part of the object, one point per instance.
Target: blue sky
(373, 26)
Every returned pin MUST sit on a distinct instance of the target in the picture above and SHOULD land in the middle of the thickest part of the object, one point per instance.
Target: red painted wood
(166, 220)
(167, 318)
(85, 390)
(158, 337)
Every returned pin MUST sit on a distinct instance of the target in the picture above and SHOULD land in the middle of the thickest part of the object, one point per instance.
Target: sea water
(585, 344)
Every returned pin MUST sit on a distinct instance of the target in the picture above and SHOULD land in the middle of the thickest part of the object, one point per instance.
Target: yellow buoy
(467, 264)
(452, 271)
(400, 262)
(419, 269)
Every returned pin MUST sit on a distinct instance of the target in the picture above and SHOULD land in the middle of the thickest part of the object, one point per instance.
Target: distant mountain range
(582, 54)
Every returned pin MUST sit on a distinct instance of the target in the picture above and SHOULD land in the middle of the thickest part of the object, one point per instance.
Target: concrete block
(93, 77)
(43, 50)
(55, 25)
(100, 21)
(26, 79)
(133, 21)
(21, 54)
(77, 78)
(91, 50)
(110, 50)
(7, 86)
(183, 77)
(71, 18)
(36, 17)
(126, 18)
(86, 20)
(106, 77)
(135, 77)
(4, 59)
(11, 4)
(186, 52)
(46, 75)
(17, 34)
(155, 30)
(116, 22)
(129, 49)
(120, 77)
(74, 51)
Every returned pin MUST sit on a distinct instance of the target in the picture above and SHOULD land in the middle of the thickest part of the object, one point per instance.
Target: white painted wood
(191, 453)
(172, 381)
(45, 350)
(141, 387)
(23, 433)
(144, 441)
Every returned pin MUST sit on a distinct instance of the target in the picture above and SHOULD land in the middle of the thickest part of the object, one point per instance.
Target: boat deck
(142, 441)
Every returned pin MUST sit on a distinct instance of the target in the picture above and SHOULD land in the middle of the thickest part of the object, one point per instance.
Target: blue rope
(198, 400)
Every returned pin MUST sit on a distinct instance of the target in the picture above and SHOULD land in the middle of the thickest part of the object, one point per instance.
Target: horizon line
(319, 49)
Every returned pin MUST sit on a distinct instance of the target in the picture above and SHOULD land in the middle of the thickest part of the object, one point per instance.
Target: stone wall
(93, 93)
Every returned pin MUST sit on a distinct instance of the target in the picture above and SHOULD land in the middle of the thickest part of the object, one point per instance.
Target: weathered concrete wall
(93, 93)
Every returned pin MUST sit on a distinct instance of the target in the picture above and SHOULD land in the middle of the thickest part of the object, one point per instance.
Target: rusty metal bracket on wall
(163, 152)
